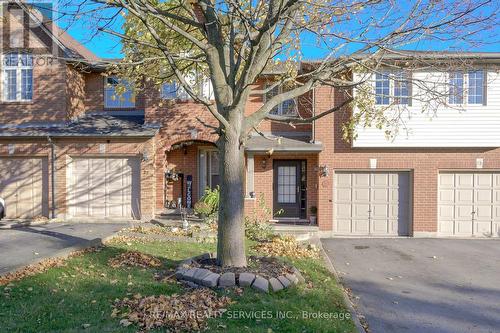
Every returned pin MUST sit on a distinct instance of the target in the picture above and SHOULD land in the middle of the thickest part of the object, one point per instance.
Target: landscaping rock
(189, 275)
(200, 274)
(261, 284)
(275, 284)
(284, 281)
(299, 276)
(179, 273)
(227, 279)
(202, 256)
(211, 280)
(192, 284)
(186, 262)
(292, 278)
(246, 279)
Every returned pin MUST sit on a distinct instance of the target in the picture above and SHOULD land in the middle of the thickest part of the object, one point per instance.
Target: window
(118, 93)
(392, 85)
(476, 87)
(17, 77)
(286, 108)
(382, 88)
(169, 90)
(456, 83)
(401, 88)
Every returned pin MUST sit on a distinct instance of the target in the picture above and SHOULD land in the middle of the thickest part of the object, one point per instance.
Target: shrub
(208, 205)
(257, 226)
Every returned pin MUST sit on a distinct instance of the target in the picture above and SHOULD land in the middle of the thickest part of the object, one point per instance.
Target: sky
(107, 46)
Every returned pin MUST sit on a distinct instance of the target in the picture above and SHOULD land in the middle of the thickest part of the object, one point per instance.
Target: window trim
(19, 78)
(107, 88)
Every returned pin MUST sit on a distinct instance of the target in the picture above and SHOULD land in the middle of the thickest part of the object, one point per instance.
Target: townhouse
(72, 148)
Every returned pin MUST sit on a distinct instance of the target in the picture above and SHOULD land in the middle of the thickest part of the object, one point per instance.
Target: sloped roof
(90, 125)
(260, 144)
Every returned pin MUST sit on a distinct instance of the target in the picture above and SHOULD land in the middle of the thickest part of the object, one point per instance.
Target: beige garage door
(23, 186)
(372, 203)
(469, 204)
(104, 187)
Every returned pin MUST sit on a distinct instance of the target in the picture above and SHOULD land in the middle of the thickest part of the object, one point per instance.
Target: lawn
(78, 296)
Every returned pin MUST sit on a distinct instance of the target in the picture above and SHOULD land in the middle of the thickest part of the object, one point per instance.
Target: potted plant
(314, 212)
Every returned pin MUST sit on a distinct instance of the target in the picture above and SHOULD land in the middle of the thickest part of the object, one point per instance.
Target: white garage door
(372, 203)
(469, 204)
(104, 187)
(23, 187)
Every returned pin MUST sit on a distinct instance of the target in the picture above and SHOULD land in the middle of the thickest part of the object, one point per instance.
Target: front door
(287, 189)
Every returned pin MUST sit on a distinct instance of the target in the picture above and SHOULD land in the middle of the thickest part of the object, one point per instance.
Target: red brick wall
(424, 164)
(91, 148)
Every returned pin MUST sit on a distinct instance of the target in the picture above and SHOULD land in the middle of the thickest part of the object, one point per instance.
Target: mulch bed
(266, 267)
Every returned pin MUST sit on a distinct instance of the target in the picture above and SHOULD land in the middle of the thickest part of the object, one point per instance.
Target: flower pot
(312, 219)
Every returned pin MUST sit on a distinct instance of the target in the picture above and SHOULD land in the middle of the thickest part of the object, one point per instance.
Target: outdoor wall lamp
(263, 163)
(324, 171)
(145, 156)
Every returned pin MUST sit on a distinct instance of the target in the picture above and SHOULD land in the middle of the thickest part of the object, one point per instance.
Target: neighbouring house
(70, 147)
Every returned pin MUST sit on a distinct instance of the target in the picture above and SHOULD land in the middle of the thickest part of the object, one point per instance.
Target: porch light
(263, 163)
(324, 171)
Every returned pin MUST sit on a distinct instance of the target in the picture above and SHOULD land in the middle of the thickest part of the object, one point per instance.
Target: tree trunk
(231, 229)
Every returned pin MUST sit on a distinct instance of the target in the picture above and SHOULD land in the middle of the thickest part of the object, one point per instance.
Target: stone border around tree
(202, 277)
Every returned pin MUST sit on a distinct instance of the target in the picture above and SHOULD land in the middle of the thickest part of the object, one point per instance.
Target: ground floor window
(208, 169)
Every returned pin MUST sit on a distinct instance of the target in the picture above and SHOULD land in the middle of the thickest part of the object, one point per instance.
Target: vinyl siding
(425, 125)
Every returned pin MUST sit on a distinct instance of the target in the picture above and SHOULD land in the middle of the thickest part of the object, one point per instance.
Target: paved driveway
(422, 285)
(23, 246)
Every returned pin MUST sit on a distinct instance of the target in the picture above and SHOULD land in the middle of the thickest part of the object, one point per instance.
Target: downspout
(52, 175)
(313, 140)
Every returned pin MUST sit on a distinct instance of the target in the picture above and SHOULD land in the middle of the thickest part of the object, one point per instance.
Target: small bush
(208, 205)
(258, 230)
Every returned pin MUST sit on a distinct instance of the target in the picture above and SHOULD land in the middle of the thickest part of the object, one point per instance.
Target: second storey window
(286, 108)
(476, 87)
(118, 93)
(17, 77)
(456, 83)
(392, 86)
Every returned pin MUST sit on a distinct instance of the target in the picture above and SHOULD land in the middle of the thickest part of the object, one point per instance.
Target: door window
(287, 182)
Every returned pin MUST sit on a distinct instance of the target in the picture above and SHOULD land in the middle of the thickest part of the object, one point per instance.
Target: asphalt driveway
(23, 246)
(421, 285)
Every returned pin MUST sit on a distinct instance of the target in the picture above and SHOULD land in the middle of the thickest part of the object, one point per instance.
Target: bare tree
(233, 42)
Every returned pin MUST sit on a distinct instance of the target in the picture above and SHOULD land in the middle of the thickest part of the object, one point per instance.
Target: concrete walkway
(421, 285)
(23, 246)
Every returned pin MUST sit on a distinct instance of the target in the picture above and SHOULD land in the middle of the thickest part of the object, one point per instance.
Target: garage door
(372, 203)
(469, 204)
(104, 187)
(23, 186)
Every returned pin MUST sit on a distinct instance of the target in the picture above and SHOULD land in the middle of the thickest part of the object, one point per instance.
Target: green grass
(62, 299)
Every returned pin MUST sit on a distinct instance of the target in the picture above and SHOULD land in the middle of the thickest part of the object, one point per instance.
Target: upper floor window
(118, 93)
(17, 77)
(394, 84)
(200, 85)
(456, 83)
(476, 87)
(475, 83)
(169, 90)
(286, 108)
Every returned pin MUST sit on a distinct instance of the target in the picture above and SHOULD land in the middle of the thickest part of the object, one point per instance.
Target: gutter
(313, 139)
(52, 175)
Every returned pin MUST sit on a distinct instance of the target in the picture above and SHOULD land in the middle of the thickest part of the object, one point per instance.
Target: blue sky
(107, 46)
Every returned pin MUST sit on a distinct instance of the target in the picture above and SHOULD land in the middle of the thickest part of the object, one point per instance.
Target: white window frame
(19, 77)
(466, 87)
(279, 110)
(110, 90)
(391, 98)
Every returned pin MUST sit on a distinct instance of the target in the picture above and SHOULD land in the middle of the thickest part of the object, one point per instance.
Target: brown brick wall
(91, 148)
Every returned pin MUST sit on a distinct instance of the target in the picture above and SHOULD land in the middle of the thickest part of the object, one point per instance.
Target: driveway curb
(66, 252)
(347, 300)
